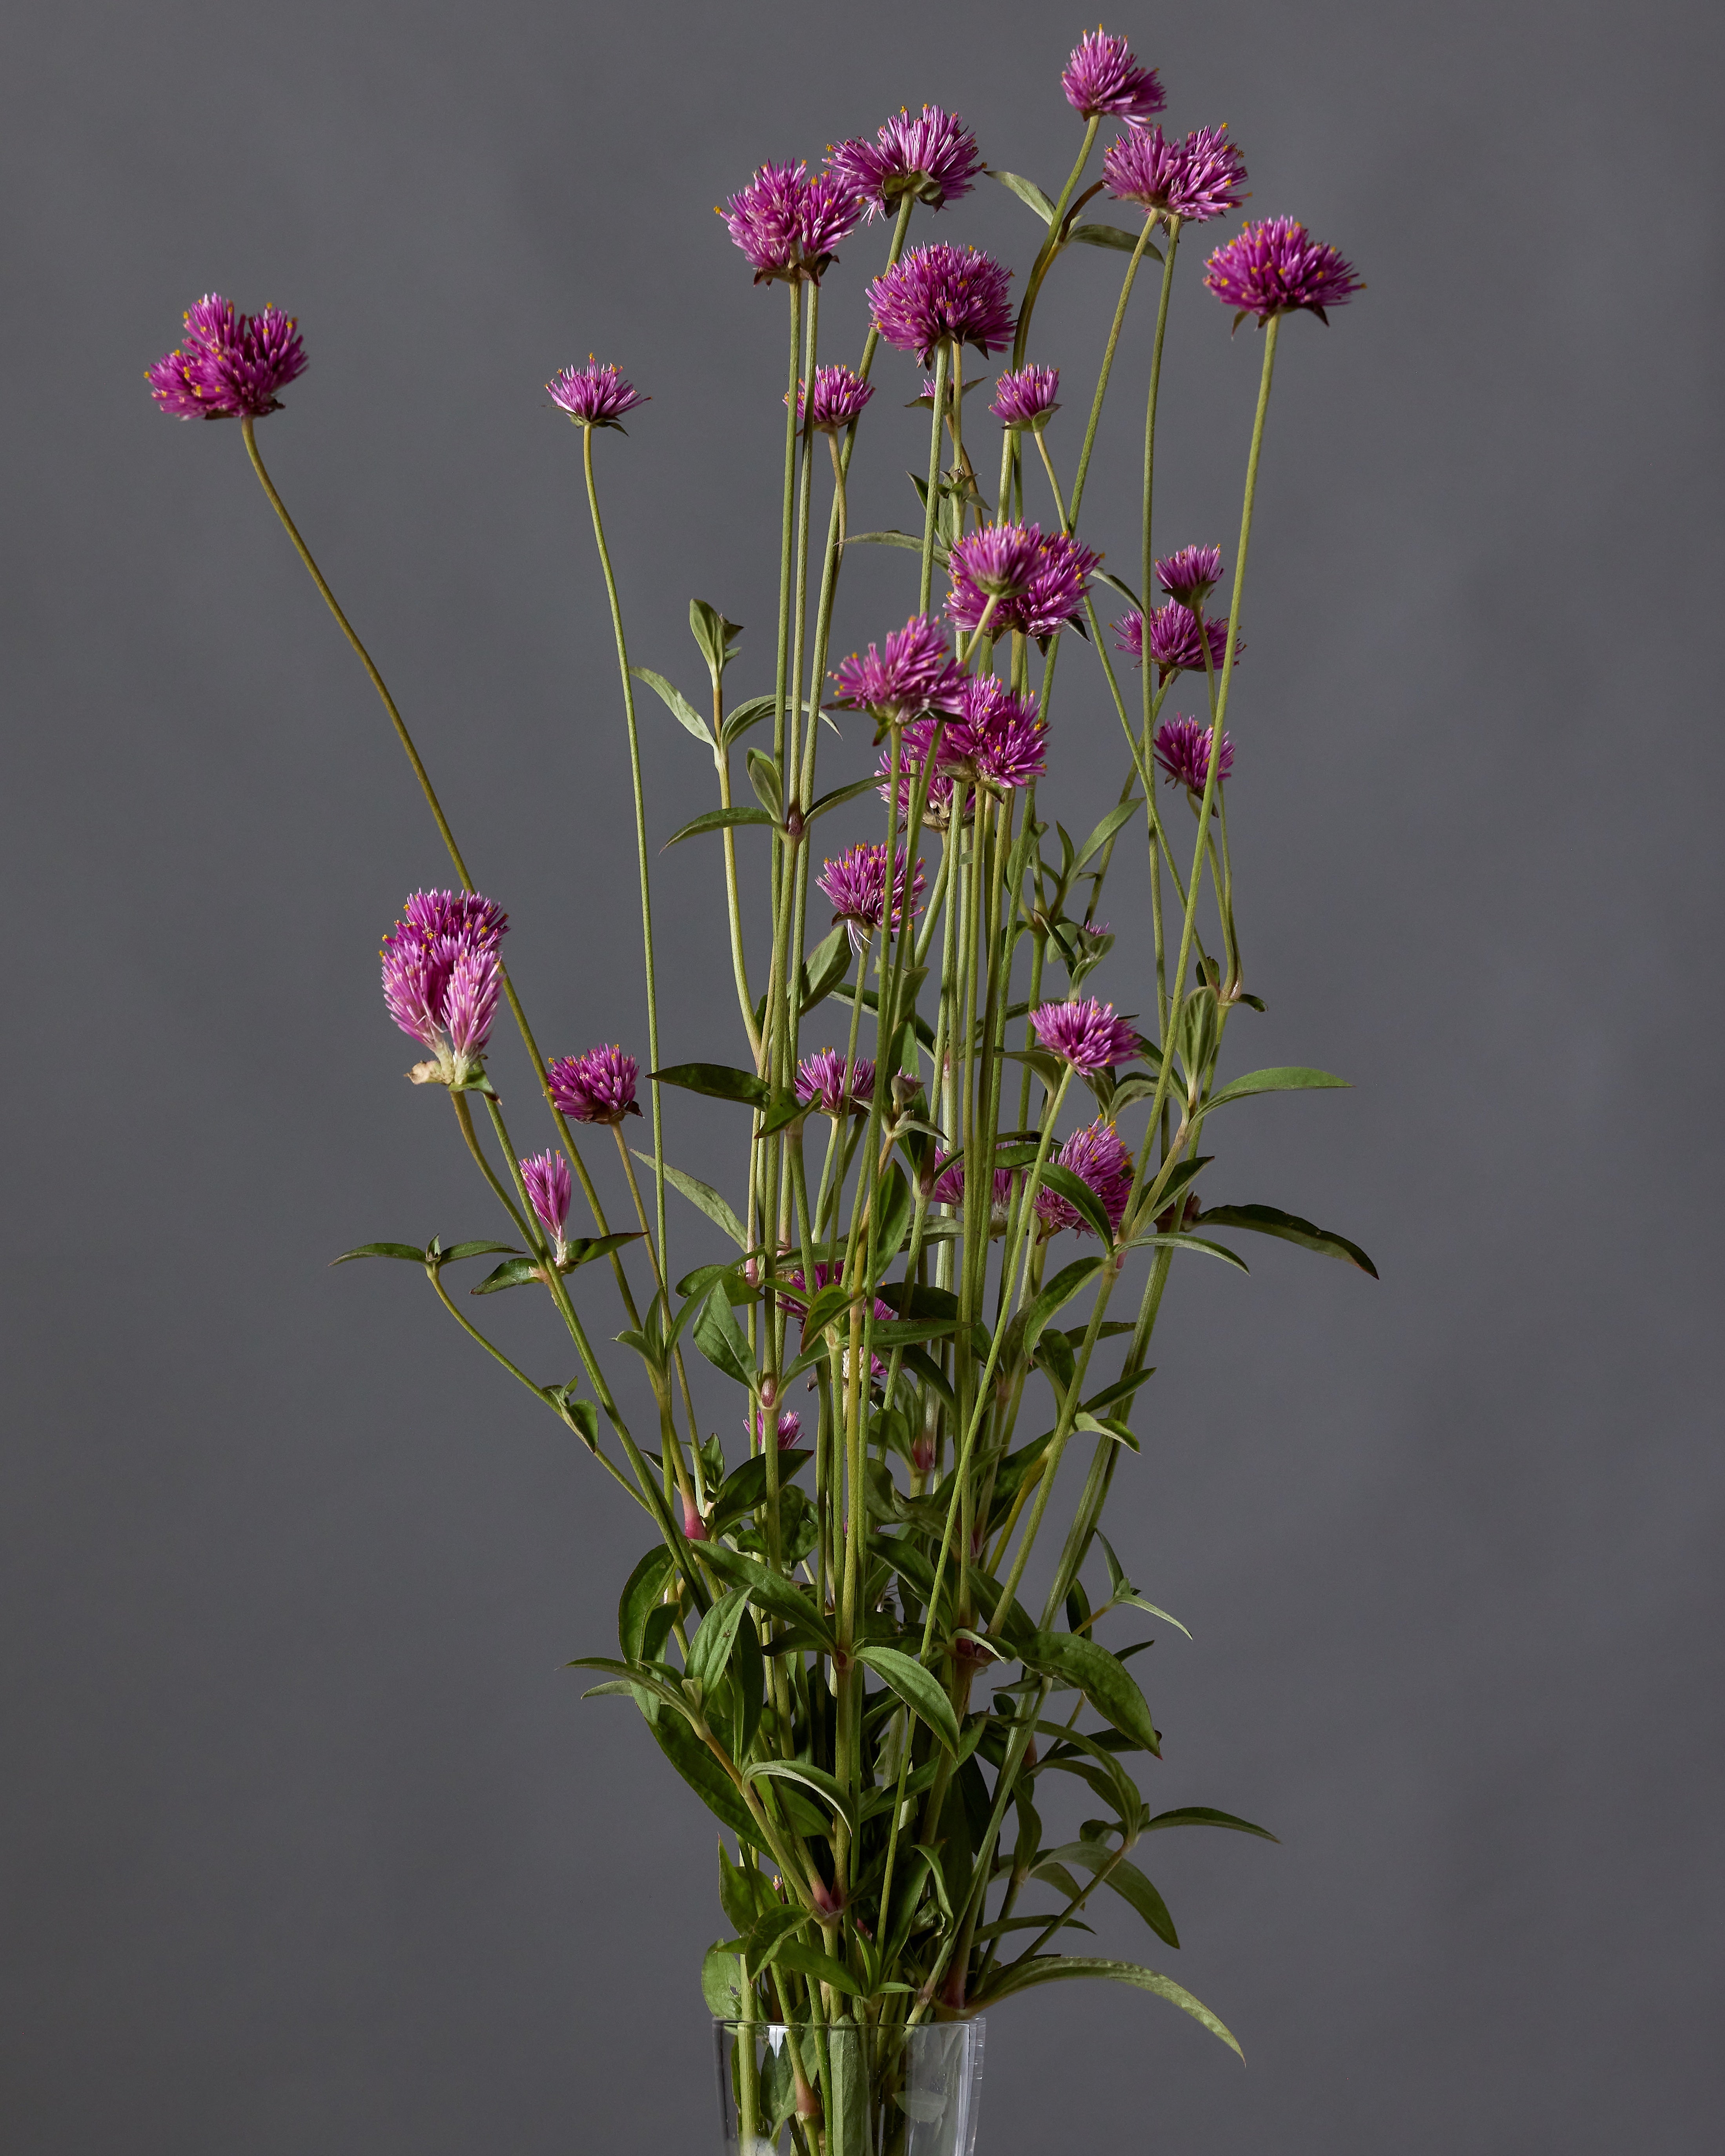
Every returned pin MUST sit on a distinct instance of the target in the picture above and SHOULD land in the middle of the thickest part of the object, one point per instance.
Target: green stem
(1139, 252)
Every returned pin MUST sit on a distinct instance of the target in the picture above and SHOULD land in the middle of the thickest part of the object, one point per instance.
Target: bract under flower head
(230, 364)
(1051, 593)
(1195, 180)
(1085, 1034)
(1183, 749)
(839, 395)
(939, 292)
(442, 979)
(1027, 398)
(1174, 648)
(912, 674)
(594, 395)
(821, 1083)
(933, 157)
(1101, 77)
(856, 884)
(1190, 574)
(598, 1087)
(788, 224)
(1099, 1158)
(1276, 267)
(998, 739)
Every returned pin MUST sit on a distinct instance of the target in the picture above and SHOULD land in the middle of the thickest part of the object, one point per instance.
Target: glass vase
(845, 2089)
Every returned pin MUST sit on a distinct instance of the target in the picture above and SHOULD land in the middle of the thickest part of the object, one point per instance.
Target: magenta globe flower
(1100, 1159)
(1027, 398)
(912, 674)
(856, 884)
(1040, 582)
(932, 157)
(821, 1083)
(940, 292)
(598, 1087)
(442, 977)
(594, 396)
(1196, 180)
(1174, 645)
(1276, 267)
(1190, 574)
(1183, 749)
(949, 1190)
(996, 561)
(997, 738)
(839, 396)
(1101, 78)
(788, 224)
(1085, 1034)
(913, 755)
(547, 1178)
(230, 364)
(786, 1433)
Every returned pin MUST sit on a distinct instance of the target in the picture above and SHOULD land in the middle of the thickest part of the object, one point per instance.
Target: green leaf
(635, 1674)
(1027, 191)
(1282, 1078)
(514, 1272)
(460, 1250)
(579, 1251)
(703, 1195)
(1054, 1296)
(722, 1982)
(824, 968)
(1187, 1242)
(745, 1488)
(1114, 584)
(720, 1338)
(1099, 1426)
(677, 704)
(1111, 235)
(1266, 1220)
(645, 1587)
(839, 796)
(1127, 1882)
(1121, 1389)
(1078, 1195)
(747, 715)
(1048, 1067)
(918, 1687)
(808, 1777)
(1203, 1815)
(709, 1651)
(770, 1591)
(908, 540)
(809, 1961)
(714, 634)
(1109, 1688)
(1121, 813)
(1050, 1968)
(892, 1214)
(719, 819)
(846, 993)
(719, 1080)
(1183, 1177)
(764, 776)
(407, 1252)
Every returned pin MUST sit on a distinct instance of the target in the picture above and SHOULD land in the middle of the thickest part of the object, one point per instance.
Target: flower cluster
(856, 884)
(1085, 1034)
(997, 738)
(1174, 644)
(913, 673)
(1183, 749)
(1038, 583)
(598, 1087)
(1196, 180)
(788, 223)
(1276, 267)
(932, 157)
(230, 364)
(441, 980)
(821, 1083)
(1027, 398)
(839, 395)
(594, 396)
(1102, 77)
(547, 1178)
(940, 292)
(1099, 1158)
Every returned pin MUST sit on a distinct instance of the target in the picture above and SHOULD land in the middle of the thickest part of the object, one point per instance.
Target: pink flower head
(1174, 648)
(933, 157)
(1276, 267)
(1096, 1155)
(598, 1087)
(1191, 574)
(1085, 1034)
(912, 674)
(1183, 749)
(1196, 180)
(441, 980)
(938, 292)
(230, 364)
(788, 1429)
(466, 914)
(825, 1276)
(913, 755)
(949, 1190)
(997, 738)
(821, 1083)
(856, 884)
(788, 224)
(1101, 77)
(998, 560)
(547, 1176)
(1027, 398)
(839, 395)
(1053, 573)
(594, 395)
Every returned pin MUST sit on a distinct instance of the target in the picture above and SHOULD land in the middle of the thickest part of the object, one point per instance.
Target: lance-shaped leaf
(710, 1651)
(810, 1961)
(1121, 1389)
(746, 715)
(677, 704)
(1105, 1426)
(1281, 1078)
(703, 1195)
(1122, 813)
(578, 1250)
(636, 1674)
(808, 1777)
(1054, 1296)
(1078, 1195)
(1266, 1220)
(719, 819)
(1182, 1177)
(721, 1981)
(839, 796)
(770, 1591)
(846, 993)
(721, 1081)
(918, 1687)
(745, 1488)
(408, 1253)
(714, 634)
(1127, 1882)
(642, 1590)
(1095, 1765)
(1189, 1242)
(1203, 1815)
(769, 786)
(1050, 1969)
(1027, 191)
(824, 968)
(1100, 1676)
(720, 1338)
(1113, 236)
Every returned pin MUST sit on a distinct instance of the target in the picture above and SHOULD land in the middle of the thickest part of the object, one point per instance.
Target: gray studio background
(307, 1842)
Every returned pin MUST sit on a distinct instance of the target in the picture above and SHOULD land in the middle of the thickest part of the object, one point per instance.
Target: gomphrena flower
(1085, 1034)
(1183, 749)
(1052, 591)
(820, 1083)
(940, 292)
(1190, 574)
(1098, 1157)
(787, 1430)
(594, 395)
(949, 1190)
(1027, 398)
(912, 674)
(1174, 648)
(913, 755)
(1195, 180)
(1276, 267)
(598, 1087)
(839, 395)
(933, 157)
(547, 1176)
(230, 366)
(788, 223)
(998, 560)
(1102, 77)
(856, 884)
(441, 980)
(998, 739)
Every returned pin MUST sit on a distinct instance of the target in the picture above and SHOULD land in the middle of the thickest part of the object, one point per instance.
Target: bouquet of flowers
(961, 1178)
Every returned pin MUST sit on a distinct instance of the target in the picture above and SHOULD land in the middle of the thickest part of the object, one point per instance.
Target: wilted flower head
(1190, 574)
(1174, 648)
(1183, 749)
(821, 1083)
(547, 1176)
(230, 364)
(913, 755)
(788, 224)
(597, 396)
(1027, 398)
(937, 292)
(788, 1429)
(856, 884)
(1054, 579)
(933, 157)
(840, 394)
(1102, 77)
(598, 1087)
(1196, 180)
(912, 674)
(997, 738)
(1276, 267)
(1098, 1157)
(1086, 1034)
(442, 977)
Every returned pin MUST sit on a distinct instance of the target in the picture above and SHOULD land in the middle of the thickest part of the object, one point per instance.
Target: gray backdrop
(308, 1842)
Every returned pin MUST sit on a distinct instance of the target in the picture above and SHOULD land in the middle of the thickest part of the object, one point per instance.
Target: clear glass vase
(843, 2089)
